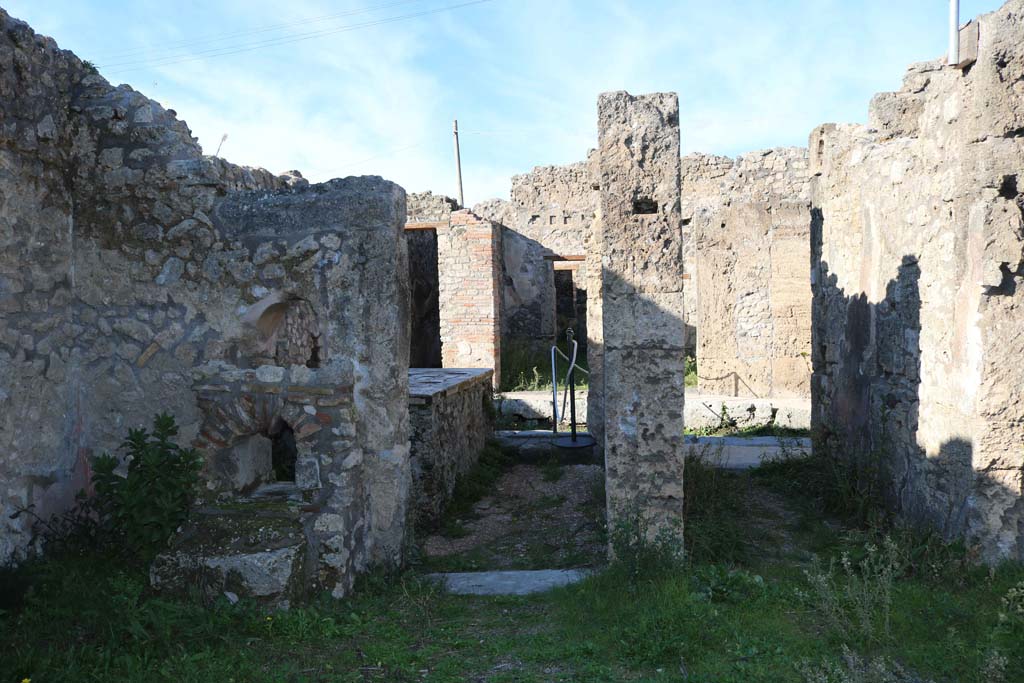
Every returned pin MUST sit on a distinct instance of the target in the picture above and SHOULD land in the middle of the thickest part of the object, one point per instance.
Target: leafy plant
(641, 550)
(1013, 606)
(690, 371)
(146, 505)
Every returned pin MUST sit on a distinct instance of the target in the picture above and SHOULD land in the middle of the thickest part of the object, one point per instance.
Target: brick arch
(237, 410)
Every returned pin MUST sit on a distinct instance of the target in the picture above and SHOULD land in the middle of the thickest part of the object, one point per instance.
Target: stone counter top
(427, 383)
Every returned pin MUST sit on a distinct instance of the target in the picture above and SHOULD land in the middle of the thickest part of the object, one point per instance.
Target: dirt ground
(546, 516)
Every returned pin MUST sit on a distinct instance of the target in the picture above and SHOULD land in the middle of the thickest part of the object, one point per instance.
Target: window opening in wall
(645, 205)
(284, 452)
(314, 352)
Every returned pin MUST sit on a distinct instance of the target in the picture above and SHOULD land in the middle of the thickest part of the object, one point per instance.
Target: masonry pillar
(469, 269)
(640, 240)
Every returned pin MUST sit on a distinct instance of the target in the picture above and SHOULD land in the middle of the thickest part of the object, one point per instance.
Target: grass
(741, 609)
(469, 489)
(691, 379)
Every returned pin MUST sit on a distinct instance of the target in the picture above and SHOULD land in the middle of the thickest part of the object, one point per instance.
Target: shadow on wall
(425, 312)
(865, 404)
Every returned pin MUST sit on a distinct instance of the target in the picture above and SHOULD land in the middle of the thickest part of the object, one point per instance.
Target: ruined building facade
(918, 262)
(272, 316)
(139, 276)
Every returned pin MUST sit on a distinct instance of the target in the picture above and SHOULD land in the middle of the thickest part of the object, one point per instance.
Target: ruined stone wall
(747, 223)
(549, 213)
(468, 254)
(139, 276)
(451, 417)
(918, 251)
(425, 212)
(639, 239)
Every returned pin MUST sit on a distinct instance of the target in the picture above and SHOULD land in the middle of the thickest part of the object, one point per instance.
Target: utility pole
(458, 162)
(954, 32)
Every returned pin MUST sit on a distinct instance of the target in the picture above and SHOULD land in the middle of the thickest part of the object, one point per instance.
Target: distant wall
(747, 223)
(549, 214)
(918, 252)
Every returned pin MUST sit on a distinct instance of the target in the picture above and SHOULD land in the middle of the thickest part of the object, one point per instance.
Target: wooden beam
(556, 257)
(425, 225)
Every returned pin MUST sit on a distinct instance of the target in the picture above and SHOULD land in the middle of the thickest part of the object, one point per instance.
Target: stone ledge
(426, 384)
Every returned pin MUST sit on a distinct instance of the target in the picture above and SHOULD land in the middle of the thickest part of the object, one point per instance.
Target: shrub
(640, 551)
(855, 669)
(1013, 606)
(857, 601)
(146, 506)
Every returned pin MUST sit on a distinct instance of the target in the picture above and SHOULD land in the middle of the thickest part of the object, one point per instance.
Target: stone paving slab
(700, 410)
(744, 453)
(522, 582)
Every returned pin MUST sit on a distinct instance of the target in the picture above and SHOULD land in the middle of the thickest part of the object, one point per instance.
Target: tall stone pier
(640, 239)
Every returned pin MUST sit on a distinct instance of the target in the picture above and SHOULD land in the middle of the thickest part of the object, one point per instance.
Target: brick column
(469, 270)
(640, 239)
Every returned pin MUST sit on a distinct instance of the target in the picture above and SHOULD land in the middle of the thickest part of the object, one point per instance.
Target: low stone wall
(451, 418)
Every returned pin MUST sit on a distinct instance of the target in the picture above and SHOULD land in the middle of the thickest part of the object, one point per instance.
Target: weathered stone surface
(643, 308)
(247, 464)
(138, 275)
(451, 418)
(257, 554)
(918, 253)
(747, 229)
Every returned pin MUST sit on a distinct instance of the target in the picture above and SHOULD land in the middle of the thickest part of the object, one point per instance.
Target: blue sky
(522, 76)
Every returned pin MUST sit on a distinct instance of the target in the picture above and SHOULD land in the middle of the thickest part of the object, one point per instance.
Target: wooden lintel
(557, 257)
(425, 225)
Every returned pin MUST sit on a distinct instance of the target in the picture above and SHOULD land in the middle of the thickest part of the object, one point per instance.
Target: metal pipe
(554, 393)
(954, 32)
(458, 161)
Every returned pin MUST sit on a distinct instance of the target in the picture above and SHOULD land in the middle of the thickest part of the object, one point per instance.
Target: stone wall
(639, 238)
(549, 214)
(748, 223)
(468, 256)
(451, 418)
(918, 253)
(425, 211)
(138, 275)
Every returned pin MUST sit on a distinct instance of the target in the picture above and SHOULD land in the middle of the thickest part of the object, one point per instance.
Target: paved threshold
(508, 582)
(744, 453)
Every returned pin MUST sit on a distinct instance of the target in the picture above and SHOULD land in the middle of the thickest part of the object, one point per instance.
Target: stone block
(247, 464)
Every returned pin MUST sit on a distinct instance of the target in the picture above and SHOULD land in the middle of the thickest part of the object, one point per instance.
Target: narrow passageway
(537, 516)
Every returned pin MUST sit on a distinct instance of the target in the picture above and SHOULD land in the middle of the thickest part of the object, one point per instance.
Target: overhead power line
(249, 47)
(179, 45)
